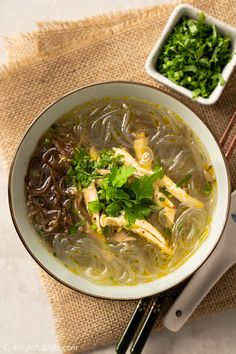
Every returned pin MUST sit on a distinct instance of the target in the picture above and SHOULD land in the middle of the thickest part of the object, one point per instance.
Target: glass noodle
(58, 211)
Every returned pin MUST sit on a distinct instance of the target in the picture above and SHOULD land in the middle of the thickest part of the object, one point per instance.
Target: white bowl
(31, 239)
(191, 12)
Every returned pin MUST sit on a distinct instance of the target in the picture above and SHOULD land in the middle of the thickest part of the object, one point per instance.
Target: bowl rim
(10, 201)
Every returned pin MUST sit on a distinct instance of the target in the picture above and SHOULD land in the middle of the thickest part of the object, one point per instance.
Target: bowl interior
(28, 234)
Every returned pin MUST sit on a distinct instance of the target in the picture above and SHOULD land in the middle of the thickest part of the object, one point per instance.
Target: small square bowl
(191, 12)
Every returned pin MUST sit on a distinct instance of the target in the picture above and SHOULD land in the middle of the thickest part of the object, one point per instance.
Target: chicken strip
(140, 227)
(131, 161)
(90, 195)
(179, 193)
(171, 186)
(142, 151)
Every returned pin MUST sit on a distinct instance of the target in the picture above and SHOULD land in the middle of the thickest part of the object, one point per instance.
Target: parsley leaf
(93, 207)
(143, 186)
(113, 209)
(82, 168)
(136, 212)
(134, 197)
(107, 159)
(73, 230)
(119, 176)
(116, 192)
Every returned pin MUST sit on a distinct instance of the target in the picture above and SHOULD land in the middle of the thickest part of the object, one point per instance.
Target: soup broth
(121, 191)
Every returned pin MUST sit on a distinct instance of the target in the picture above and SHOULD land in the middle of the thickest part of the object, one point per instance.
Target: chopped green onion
(195, 55)
(184, 181)
(207, 188)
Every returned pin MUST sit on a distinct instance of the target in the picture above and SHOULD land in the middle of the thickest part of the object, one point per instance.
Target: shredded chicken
(140, 227)
(149, 237)
(145, 225)
(130, 161)
(103, 172)
(165, 203)
(112, 221)
(142, 151)
(177, 192)
(170, 215)
(161, 199)
(90, 195)
(145, 157)
(122, 237)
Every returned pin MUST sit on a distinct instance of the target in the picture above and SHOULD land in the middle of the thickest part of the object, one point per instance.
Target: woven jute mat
(60, 57)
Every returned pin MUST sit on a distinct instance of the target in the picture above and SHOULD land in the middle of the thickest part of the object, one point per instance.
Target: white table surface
(25, 314)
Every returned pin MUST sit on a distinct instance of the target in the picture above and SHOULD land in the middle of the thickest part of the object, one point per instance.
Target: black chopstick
(133, 324)
(148, 324)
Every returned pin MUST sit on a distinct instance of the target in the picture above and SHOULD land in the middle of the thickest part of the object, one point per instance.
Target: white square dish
(191, 12)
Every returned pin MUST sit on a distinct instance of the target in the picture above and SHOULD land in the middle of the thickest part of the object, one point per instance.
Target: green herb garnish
(136, 212)
(46, 141)
(73, 230)
(183, 182)
(107, 159)
(93, 207)
(117, 193)
(113, 209)
(119, 176)
(143, 186)
(83, 169)
(158, 169)
(94, 227)
(194, 56)
(106, 231)
(207, 188)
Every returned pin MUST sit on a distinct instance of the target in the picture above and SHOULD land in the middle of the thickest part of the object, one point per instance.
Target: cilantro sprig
(119, 190)
(83, 168)
(135, 197)
(93, 207)
(194, 56)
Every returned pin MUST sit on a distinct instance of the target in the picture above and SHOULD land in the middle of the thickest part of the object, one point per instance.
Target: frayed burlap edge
(52, 288)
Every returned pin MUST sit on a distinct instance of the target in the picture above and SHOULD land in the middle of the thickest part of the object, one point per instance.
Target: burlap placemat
(48, 66)
(57, 37)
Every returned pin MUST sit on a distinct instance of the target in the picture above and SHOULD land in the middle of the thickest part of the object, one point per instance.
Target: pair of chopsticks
(140, 324)
(225, 136)
(147, 309)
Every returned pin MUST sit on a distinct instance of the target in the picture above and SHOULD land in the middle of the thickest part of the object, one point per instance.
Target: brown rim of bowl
(28, 130)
